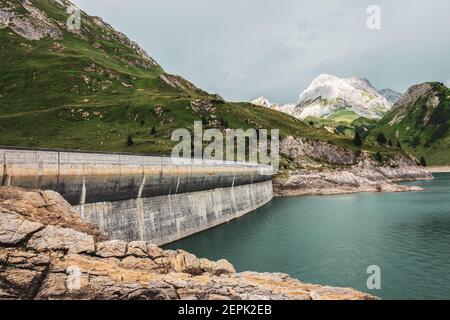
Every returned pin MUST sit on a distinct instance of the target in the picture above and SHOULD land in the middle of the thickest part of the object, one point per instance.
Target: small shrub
(415, 142)
(153, 131)
(130, 141)
(357, 139)
(423, 162)
(378, 157)
(381, 139)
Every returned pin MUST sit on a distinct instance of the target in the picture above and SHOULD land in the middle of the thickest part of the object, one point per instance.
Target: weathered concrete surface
(134, 197)
(98, 177)
(164, 219)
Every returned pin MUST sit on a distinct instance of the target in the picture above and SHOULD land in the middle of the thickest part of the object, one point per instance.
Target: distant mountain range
(328, 95)
(264, 102)
(417, 121)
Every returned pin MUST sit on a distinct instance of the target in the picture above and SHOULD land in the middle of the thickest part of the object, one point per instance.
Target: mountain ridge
(420, 122)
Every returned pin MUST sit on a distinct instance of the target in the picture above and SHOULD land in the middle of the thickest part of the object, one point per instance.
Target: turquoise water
(333, 239)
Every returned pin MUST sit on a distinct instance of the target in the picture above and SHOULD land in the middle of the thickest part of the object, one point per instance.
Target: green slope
(346, 116)
(420, 121)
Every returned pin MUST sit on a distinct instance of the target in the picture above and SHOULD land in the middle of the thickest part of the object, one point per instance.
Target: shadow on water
(333, 239)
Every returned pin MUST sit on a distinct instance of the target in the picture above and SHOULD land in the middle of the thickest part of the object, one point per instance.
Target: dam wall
(137, 197)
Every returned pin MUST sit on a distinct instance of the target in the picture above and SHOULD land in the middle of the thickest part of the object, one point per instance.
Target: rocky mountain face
(264, 102)
(391, 95)
(48, 252)
(30, 22)
(328, 94)
(33, 23)
(420, 122)
(328, 169)
(304, 152)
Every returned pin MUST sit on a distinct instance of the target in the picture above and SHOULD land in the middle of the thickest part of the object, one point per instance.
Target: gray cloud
(244, 49)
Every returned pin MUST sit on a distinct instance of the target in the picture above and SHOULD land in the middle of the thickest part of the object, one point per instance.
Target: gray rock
(154, 251)
(298, 149)
(217, 268)
(137, 248)
(35, 25)
(54, 238)
(112, 248)
(202, 105)
(14, 228)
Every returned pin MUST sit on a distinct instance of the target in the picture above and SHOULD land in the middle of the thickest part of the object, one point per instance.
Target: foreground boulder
(48, 252)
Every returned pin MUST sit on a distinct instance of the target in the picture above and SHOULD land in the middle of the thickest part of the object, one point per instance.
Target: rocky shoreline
(367, 175)
(443, 169)
(387, 188)
(48, 252)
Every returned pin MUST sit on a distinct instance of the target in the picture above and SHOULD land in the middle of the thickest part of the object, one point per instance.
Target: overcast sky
(243, 49)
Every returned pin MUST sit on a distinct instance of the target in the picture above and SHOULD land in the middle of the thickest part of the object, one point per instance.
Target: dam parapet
(138, 197)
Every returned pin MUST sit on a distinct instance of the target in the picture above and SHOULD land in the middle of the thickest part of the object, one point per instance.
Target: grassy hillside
(345, 123)
(420, 121)
(93, 89)
(346, 116)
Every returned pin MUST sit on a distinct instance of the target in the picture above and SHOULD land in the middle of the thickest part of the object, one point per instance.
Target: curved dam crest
(136, 197)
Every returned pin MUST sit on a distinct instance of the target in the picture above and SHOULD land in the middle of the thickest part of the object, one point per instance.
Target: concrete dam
(136, 197)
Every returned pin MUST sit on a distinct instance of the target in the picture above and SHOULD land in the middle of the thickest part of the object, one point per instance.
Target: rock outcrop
(302, 150)
(337, 170)
(27, 20)
(32, 25)
(48, 252)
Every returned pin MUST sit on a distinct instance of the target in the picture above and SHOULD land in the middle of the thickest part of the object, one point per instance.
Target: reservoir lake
(332, 240)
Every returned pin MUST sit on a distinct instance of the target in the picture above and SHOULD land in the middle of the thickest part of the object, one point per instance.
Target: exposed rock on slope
(391, 95)
(301, 150)
(343, 171)
(33, 25)
(48, 252)
(27, 20)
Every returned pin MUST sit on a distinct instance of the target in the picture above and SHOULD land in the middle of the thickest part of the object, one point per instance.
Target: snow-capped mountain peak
(262, 102)
(328, 94)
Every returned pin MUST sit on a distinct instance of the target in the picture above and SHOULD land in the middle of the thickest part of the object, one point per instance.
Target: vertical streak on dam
(135, 197)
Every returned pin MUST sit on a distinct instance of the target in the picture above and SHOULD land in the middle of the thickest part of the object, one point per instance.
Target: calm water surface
(333, 239)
